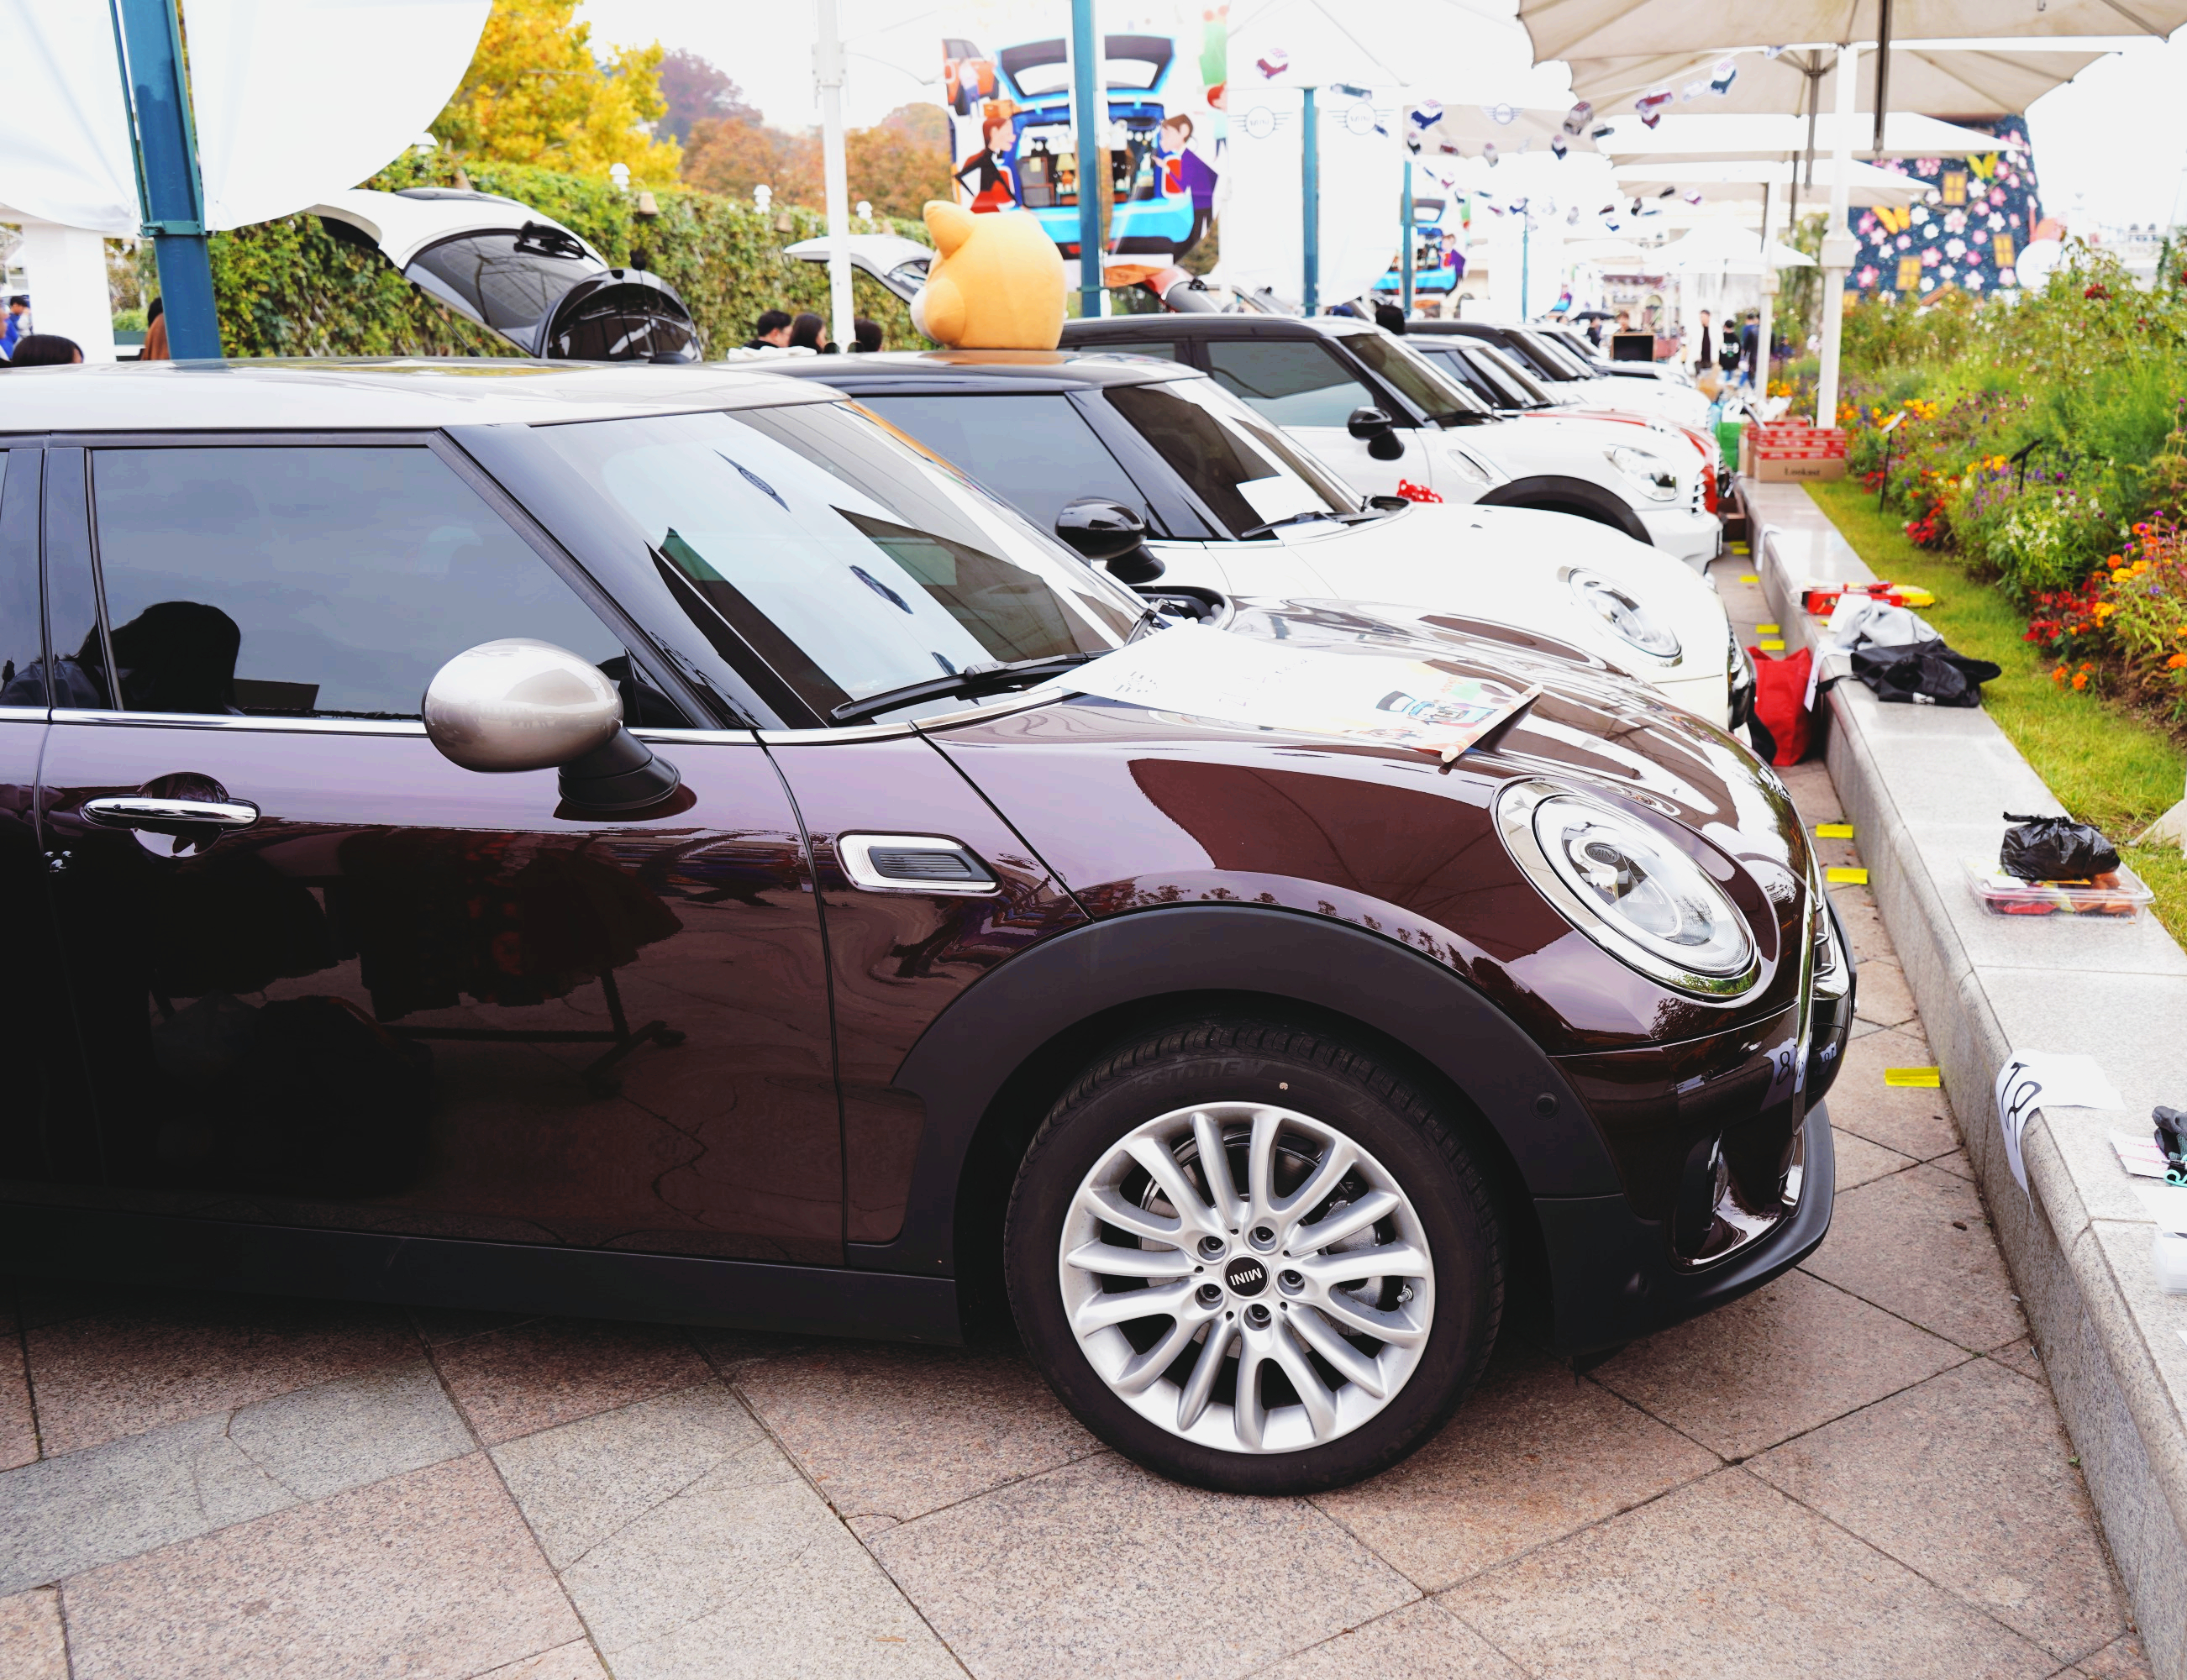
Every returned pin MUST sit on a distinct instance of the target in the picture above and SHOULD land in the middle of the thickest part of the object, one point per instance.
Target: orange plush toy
(996, 283)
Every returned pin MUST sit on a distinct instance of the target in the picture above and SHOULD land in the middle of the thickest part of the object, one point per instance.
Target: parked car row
(668, 842)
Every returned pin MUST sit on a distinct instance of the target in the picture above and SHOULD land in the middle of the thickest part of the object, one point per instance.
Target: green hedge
(290, 288)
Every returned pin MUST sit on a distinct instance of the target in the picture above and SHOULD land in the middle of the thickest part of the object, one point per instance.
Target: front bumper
(1705, 697)
(1695, 536)
(1612, 1276)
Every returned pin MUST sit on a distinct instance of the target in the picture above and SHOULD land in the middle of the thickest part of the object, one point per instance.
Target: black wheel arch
(989, 1067)
(1554, 494)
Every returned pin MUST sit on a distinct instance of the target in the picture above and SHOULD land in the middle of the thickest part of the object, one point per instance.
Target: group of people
(778, 330)
(20, 347)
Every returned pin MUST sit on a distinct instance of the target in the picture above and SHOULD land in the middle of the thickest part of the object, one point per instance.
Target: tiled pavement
(1857, 1471)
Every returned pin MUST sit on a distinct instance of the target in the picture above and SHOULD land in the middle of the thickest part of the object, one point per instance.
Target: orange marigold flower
(2081, 680)
(2177, 662)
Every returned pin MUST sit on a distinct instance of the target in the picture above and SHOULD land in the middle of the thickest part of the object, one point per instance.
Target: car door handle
(164, 816)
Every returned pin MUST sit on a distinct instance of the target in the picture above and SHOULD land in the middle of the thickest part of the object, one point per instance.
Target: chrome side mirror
(522, 705)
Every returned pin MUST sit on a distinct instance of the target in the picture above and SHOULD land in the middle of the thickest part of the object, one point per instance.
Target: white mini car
(1189, 494)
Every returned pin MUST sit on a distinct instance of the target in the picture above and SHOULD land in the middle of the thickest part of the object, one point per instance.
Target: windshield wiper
(1331, 516)
(978, 679)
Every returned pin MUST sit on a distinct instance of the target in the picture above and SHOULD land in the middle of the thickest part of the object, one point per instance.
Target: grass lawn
(2106, 766)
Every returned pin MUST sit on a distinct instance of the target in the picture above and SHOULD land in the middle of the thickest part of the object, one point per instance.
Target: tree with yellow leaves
(535, 93)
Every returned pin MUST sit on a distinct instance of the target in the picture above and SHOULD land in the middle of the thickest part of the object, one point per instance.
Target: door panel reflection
(410, 998)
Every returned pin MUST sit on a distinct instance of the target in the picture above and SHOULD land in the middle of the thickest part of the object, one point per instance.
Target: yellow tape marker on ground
(1847, 877)
(1750, 577)
(1916, 1078)
(1771, 647)
(1833, 831)
(1768, 629)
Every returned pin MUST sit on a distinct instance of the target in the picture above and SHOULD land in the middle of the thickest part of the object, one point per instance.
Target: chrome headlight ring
(1623, 616)
(1634, 894)
(1653, 476)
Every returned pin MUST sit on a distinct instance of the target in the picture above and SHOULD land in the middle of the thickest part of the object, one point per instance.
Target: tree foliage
(693, 91)
(896, 165)
(535, 93)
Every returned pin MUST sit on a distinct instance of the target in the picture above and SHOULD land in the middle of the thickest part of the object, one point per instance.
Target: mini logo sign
(1245, 1276)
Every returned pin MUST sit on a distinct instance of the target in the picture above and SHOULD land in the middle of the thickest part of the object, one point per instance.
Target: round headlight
(1625, 617)
(1650, 474)
(1628, 890)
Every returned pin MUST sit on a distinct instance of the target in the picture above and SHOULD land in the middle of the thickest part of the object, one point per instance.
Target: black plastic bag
(1923, 673)
(2055, 849)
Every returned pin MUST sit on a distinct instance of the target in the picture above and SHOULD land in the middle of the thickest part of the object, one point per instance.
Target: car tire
(1360, 1159)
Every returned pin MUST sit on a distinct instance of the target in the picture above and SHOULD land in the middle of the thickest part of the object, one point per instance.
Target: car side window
(1294, 382)
(312, 581)
(1036, 451)
(22, 678)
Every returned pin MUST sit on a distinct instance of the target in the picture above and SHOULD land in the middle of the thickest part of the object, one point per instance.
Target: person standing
(1705, 352)
(17, 324)
(45, 349)
(771, 331)
(809, 331)
(155, 332)
(867, 335)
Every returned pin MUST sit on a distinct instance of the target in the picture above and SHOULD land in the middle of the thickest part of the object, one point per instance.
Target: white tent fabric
(64, 155)
(293, 99)
(1718, 248)
(296, 98)
(1748, 177)
(1605, 28)
(1696, 136)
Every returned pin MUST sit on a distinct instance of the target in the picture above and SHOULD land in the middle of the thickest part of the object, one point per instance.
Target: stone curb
(1923, 787)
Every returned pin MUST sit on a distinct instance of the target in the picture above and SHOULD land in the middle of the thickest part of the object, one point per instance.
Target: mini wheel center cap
(1245, 1275)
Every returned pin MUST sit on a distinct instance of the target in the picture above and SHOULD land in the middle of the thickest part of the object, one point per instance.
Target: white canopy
(1719, 248)
(1935, 78)
(1749, 177)
(1565, 29)
(1682, 135)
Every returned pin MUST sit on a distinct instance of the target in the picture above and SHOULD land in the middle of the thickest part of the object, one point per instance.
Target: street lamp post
(1086, 81)
(1310, 204)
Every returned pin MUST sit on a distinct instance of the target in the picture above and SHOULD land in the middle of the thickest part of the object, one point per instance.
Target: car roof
(394, 393)
(1214, 326)
(1017, 370)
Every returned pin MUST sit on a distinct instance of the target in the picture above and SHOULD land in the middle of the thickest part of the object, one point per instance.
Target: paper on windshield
(1321, 690)
(1280, 497)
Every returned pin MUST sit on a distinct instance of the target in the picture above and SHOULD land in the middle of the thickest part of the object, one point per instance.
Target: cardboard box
(1778, 468)
(1791, 449)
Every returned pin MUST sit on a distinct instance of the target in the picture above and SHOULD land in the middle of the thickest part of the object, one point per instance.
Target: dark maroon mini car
(652, 842)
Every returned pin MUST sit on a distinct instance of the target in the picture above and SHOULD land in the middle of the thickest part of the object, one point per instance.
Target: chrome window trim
(22, 714)
(195, 720)
(889, 732)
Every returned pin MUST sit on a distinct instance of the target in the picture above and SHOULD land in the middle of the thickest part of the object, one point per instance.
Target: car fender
(969, 1054)
(1565, 494)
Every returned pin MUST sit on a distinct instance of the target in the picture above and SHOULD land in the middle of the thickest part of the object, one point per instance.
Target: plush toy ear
(950, 224)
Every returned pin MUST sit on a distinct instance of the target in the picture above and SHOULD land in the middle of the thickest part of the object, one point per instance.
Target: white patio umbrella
(1718, 248)
(1695, 136)
(1934, 78)
(1723, 179)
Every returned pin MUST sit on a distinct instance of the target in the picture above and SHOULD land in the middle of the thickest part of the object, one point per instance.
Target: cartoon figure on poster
(1162, 138)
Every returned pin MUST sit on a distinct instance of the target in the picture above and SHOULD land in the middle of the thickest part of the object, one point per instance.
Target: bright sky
(2110, 138)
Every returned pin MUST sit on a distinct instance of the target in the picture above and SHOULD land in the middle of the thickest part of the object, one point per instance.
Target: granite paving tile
(1535, 1453)
(1913, 1121)
(541, 1371)
(1813, 793)
(2122, 1659)
(1967, 1480)
(318, 1441)
(694, 1550)
(2021, 1355)
(137, 1360)
(32, 1644)
(19, 1422)
(424, 1576)
(577, 1660)
(1863, 926)
(1918, 1243)
(1859, 1161)
(1880, 995)
(1774, 1365)
(1101, 1569)
(900, 1431)
(86, 1508)
(1956, 1162)
(726, 1350)
(1729, 1578)
(1420, 1642)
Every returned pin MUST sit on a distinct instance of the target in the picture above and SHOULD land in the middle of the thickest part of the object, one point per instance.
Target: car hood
(1139, 804)
(1568, 441)
(1510, 564)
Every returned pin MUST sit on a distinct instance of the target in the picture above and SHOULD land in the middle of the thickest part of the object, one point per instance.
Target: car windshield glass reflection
(508, 280)
(849, 561)
(1421, 383)
(1246, 473)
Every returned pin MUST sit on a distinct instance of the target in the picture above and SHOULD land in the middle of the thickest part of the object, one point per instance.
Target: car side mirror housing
(522, 705)
(1109, 534)
(1375, 428)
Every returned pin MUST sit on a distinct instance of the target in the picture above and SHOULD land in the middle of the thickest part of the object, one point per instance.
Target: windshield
(1554, 361)
(847, 560)
(1418, 380)
(1505, 373)
(1247, 474)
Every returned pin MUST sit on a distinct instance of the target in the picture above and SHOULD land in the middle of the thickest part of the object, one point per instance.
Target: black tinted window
(623, 323)
(1035, 453)
(326, 583)
(21, 642)
(1294, 382)
(1162, 350)
(509, 281)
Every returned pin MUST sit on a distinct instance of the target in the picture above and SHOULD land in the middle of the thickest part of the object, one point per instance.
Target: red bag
(1783, 724)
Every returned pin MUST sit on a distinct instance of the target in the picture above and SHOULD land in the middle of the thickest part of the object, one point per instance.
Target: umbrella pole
(1838, 247)
(828, 73)
(1883, 73)
(1763, 322)
(1406, 244)
(1310, 204)
(1089, 113)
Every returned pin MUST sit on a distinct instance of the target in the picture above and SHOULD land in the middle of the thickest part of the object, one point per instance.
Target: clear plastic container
(2004, 895)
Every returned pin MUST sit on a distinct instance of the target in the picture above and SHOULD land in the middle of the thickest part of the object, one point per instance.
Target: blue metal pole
(1086, 97)
(1525, 236)
(167, 184)
(1405, 248)
(1310, 205)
